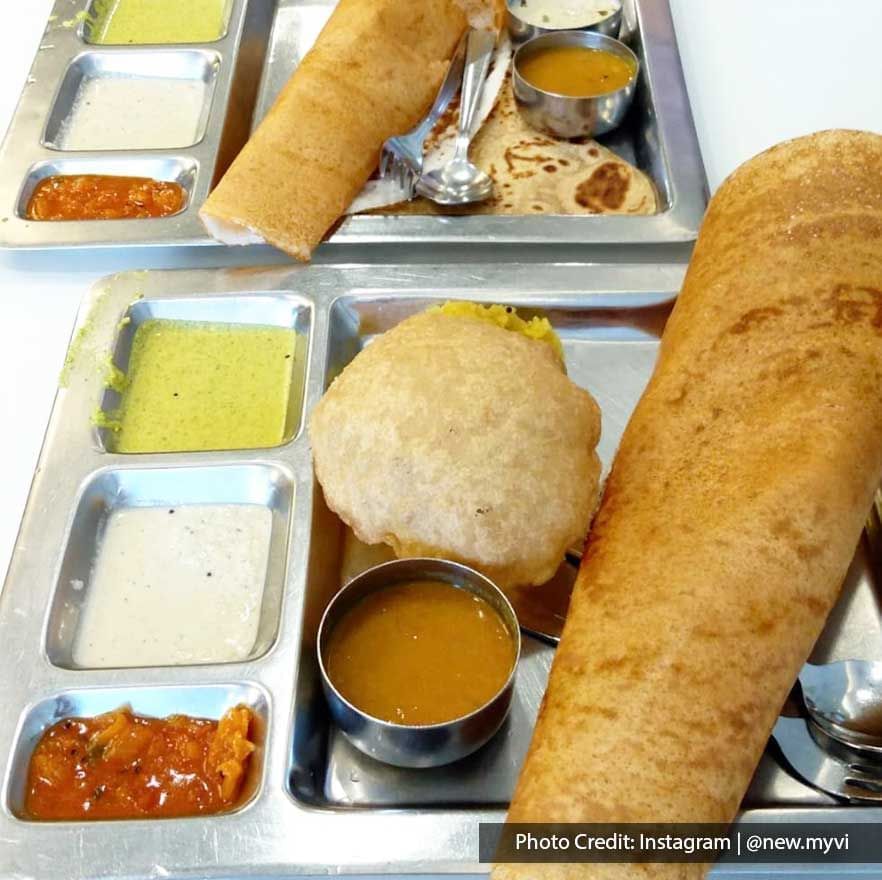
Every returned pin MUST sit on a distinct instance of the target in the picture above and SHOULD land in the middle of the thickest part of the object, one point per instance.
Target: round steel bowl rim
(438, 725)
(553, 38)
(509, 4)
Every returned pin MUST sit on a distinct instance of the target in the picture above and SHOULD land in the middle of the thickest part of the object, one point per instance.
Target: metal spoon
(459, 181)
(845, 700)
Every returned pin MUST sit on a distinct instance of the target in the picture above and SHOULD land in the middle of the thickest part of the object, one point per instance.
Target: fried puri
(453, 437)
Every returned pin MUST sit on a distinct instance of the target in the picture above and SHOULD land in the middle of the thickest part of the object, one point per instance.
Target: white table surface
(758, 71)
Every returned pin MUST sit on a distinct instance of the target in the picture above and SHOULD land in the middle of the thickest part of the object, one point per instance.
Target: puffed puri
(452, 437)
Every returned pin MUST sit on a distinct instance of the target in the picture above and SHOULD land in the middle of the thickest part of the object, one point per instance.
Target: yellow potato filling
(505, 317)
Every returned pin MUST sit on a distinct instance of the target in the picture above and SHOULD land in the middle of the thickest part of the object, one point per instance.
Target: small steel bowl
(521, 31)
(410, 745)
(563, 115)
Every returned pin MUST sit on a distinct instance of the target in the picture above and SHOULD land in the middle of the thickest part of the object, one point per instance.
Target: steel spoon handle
(478, 52)
(445, 94)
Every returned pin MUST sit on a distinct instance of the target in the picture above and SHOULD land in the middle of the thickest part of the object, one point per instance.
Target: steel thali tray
(230, 68)
(246, 69)
(313, 803)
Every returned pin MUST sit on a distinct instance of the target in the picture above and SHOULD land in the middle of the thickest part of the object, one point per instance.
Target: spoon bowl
(845, 700)
(459, 182)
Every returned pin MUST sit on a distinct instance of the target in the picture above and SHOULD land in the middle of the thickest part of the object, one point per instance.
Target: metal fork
(401, 158)
(823, 765)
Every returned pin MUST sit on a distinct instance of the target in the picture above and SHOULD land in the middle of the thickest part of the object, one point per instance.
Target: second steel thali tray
(311, 802)
(244, 72)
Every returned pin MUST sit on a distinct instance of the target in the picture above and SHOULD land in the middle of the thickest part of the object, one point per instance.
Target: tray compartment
(253, 309)
(601, 344)
(198, 701)
(298, 25)
(263, 484)
(86, 28)
(181, 170)
(186, 66)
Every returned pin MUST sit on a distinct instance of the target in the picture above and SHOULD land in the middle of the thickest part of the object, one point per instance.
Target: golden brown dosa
(732, 511)
(537, 174)
(372, 73)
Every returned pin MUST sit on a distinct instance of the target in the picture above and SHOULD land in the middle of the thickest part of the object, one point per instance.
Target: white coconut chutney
(175, 585)
(563, 14)
(131, 113)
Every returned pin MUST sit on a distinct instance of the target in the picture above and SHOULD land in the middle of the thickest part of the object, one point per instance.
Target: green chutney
(193, 386)
(139, 22)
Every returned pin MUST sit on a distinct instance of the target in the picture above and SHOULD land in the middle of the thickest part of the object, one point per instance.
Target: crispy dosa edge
(732, 511)
(372, 73)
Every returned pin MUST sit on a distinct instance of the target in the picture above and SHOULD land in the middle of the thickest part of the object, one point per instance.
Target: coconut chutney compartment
(131, 100)
(172, 567)
(134, 23)
(205, 701)
(206, 373)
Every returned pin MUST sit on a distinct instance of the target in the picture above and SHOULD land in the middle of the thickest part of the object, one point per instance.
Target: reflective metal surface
(459, 181)
(319, 801)
(565, 116)
(827, 765)
(845, 699)
(265, 41)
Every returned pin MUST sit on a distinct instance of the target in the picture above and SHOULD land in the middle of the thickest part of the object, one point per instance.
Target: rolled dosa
(372, 73)
(732, 511)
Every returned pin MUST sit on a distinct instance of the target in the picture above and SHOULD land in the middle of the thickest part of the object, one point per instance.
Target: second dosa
(372, 73)
(732, 512)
